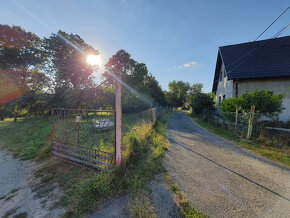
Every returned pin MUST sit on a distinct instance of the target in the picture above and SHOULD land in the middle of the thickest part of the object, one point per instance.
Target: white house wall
(225, 87)
(277, 86)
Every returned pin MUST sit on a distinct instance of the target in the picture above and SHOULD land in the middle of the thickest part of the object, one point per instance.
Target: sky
(176, 39)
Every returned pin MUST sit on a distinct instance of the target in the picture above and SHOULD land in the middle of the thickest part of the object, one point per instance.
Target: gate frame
(81, 148)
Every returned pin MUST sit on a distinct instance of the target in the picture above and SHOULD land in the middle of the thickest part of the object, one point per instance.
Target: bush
(202, 102)
(264, 101)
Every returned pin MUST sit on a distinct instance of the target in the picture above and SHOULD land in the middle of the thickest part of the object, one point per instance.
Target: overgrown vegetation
(143, 149)
(84, 190)
(270, 151)
(186, 209)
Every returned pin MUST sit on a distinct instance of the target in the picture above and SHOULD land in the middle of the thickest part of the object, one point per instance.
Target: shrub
(264, 101)
(202, 102)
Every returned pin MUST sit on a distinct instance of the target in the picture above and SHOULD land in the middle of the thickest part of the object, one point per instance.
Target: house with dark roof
(256, 65)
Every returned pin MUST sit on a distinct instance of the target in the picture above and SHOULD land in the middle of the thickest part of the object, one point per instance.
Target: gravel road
(222, 179)
(21, 194)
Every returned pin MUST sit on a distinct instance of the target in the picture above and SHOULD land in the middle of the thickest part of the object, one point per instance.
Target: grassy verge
(281, 155)
(143, 149)
(83, 190)
(185, 208)
(26, 139)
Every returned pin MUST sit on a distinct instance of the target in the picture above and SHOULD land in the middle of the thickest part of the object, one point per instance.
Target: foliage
(142, 158)
(202, 102)
(176, 96)
(264, 101)
(20, 66)
(140, 89)
(67, 54)
(38, 74)
(195, 89)
(230, 104)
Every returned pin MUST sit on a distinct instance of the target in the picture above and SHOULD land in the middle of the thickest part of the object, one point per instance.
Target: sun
(94, 60)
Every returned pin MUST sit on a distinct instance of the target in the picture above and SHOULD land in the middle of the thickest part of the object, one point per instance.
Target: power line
(281, 31)
(260, 44)
(272, 23)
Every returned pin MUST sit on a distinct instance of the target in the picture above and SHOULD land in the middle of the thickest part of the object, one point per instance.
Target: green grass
(26, 138)
(281, 155)
(83, 190)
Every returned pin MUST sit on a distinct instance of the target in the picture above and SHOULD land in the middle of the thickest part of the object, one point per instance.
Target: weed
(13, 190)
(185, 208)
(140, 206)
(47, 178)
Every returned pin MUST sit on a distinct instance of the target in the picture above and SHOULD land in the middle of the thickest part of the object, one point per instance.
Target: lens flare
(94, 60)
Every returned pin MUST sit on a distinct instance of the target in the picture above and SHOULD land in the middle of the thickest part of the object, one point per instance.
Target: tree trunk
(15, 117)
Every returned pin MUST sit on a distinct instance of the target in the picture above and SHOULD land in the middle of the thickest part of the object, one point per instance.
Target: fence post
(78, 121)
(52, 130)
(250, 126)
(118, 108)
(236, 119)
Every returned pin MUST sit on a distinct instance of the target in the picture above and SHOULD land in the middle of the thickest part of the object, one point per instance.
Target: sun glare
(94, 60)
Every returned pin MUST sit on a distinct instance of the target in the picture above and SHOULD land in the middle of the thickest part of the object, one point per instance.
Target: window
(237, 92)
(221, 75)
(220, 98)
(224, 97)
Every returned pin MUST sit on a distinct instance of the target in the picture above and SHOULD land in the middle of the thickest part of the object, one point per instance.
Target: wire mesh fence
(87, 137)
(84, 137)
(252, 126)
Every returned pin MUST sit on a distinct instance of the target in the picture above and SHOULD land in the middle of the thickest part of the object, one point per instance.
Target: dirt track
(21, 193)
(221, 179)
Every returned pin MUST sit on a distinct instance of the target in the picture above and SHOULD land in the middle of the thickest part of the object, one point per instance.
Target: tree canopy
(38, 74)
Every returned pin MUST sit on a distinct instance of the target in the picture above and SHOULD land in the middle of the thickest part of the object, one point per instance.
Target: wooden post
(78, 121)
(118, 124)
(236, 119)
(52, 130)
(250, 126)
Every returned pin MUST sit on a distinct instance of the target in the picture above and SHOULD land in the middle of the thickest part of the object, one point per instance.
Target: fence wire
(262, 129)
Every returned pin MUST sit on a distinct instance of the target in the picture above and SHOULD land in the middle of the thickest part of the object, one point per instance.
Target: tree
(22, 56)
(195, 89)
(177, 93)
(141, 89)
(67, 60)
(202, 102)
(265, 103)
(120, 63)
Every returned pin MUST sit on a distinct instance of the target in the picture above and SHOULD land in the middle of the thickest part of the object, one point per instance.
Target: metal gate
(84, 137)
